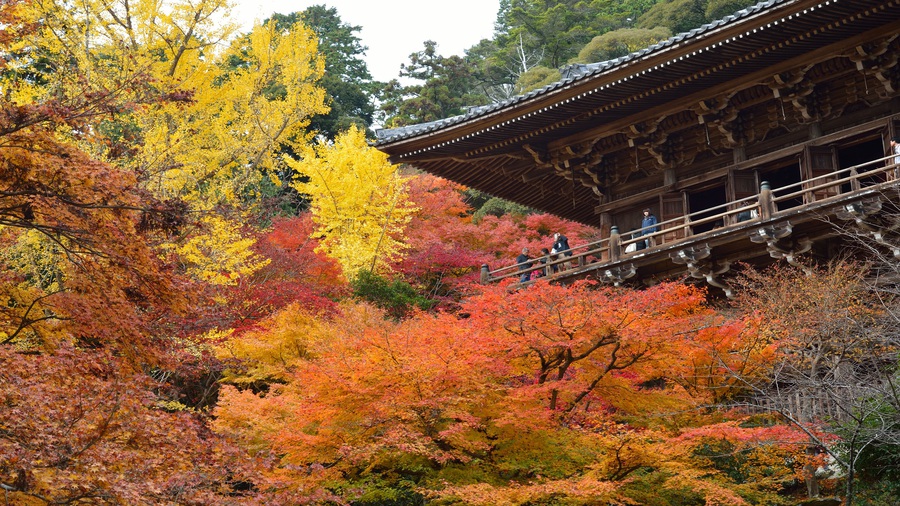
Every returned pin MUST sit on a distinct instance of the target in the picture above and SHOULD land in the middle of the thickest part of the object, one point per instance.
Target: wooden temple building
(749, 138)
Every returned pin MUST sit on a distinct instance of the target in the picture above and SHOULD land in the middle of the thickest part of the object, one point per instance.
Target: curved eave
(505, 149)
(759, 40)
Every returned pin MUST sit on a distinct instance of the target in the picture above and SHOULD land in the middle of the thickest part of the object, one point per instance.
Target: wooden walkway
(778, 223)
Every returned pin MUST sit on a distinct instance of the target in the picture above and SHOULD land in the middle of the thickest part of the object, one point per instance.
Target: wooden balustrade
(835, 186)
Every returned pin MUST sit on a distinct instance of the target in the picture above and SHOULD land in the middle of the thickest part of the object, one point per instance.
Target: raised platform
(757, 230)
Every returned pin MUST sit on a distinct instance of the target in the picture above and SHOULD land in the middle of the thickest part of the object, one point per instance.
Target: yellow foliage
(359, 202)
(216, 335)
(271, 352)
(198, 120)
(219, 255)
(41, 267)
(705, 483)
(116, 43)
(173, 406)
(217, 148)
(36, 257)
(577, 490)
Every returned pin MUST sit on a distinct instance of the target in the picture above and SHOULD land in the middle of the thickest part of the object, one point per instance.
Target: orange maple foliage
(447, 248)
(75, 265)
(77, 430)
(521, 396)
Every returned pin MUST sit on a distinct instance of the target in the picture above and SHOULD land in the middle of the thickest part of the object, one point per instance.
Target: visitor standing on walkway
(561, 247)
(524, 264)
(648, 227)
(545, 257)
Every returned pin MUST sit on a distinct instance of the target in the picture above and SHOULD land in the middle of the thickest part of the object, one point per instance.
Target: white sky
(394, 29)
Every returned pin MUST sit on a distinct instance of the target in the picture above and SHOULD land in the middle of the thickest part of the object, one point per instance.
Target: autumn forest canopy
(214, 291)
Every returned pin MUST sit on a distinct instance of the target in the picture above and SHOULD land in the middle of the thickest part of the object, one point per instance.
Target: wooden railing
(834, 186)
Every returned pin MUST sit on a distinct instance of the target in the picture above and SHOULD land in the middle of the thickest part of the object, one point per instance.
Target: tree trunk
(809, 475)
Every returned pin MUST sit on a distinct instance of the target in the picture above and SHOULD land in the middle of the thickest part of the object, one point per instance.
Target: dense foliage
(215, 292)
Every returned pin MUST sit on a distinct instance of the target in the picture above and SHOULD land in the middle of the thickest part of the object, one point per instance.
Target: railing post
(485, 274)
(766, 204)
(854, 181)
(615, 249)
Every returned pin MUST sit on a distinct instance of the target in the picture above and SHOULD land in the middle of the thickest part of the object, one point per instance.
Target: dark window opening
(701, 204)
(780, 178)
(859, 154)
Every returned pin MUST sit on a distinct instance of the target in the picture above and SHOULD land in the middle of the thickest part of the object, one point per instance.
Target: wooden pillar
(854, 183)
(766, 205)
(615, 249)
(485, 274)
(815, 130)
(605, 225)
(809, 474)
(669, 178)
(740, 154)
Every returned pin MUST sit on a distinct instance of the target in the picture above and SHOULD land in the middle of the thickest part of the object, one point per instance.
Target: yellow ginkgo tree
(258, 97)
(359, 202)
(198, 116)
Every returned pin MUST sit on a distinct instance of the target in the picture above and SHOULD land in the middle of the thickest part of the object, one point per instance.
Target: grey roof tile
(570, 74)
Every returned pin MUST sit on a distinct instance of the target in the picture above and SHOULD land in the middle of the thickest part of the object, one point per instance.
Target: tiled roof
(570, 74)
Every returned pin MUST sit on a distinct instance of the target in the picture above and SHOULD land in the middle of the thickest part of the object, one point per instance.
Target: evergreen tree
(347, 81)
(550, 33)
(444, 87)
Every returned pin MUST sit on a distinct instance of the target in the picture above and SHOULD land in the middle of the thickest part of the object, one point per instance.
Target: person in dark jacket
(561, 247)
(524, 264)
(647, 227)
(545, 257)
